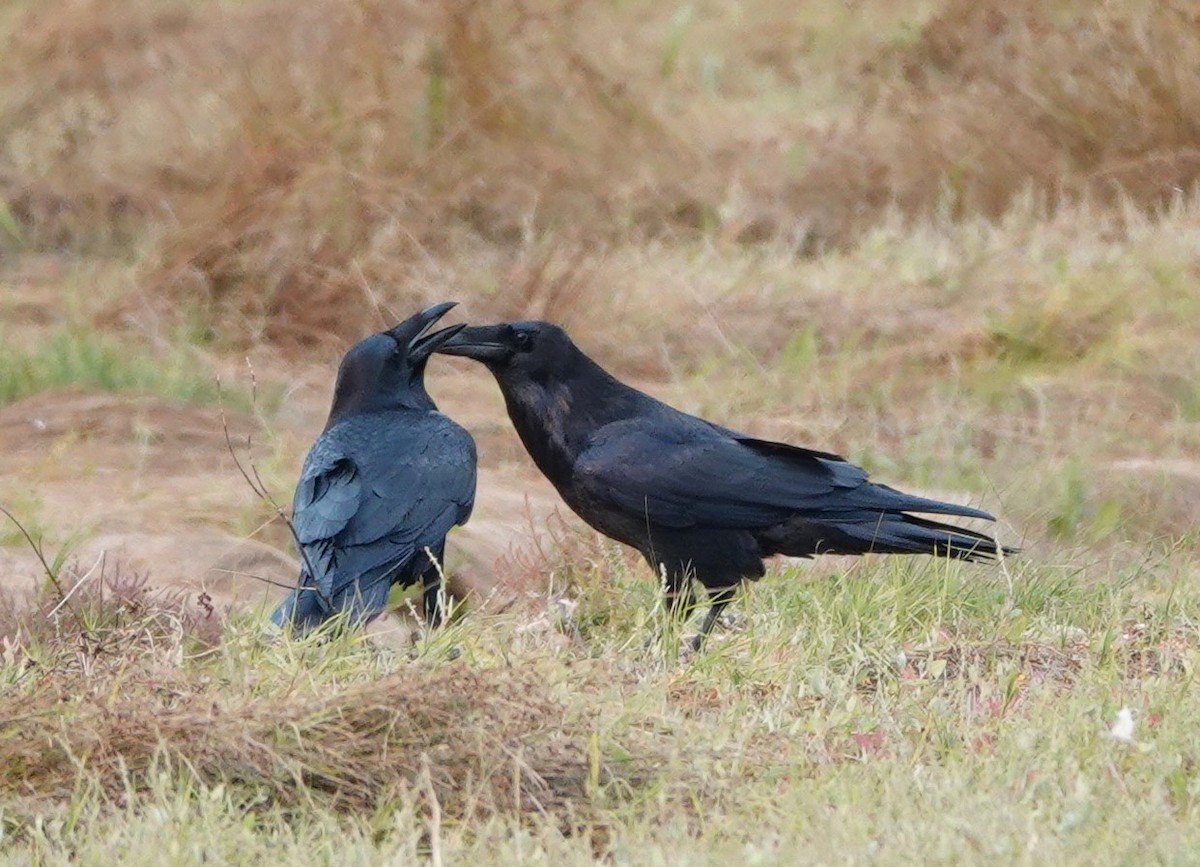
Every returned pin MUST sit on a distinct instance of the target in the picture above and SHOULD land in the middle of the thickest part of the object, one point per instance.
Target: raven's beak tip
(448, 333)
(436, 311)
(412, 329)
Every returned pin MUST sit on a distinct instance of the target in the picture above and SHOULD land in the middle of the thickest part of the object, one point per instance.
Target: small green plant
(1072, 502)
(1070, 322)
(103, 362)
(802, 352)
(24, 507)
(10, 229)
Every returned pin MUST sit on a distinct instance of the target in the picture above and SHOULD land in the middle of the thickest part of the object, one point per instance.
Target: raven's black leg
(676, 580)
(432, 582)
(680, 597)
(720, 598)
(677, 590)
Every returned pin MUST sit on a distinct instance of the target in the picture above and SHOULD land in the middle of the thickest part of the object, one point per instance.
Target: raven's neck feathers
(350, 402)
(556, 414)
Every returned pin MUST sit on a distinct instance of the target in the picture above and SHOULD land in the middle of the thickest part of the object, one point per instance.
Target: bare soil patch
(154, 489)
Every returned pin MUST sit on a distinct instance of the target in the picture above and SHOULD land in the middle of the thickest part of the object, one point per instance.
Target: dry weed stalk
(254, 480)
(109, 620)
(104, 619)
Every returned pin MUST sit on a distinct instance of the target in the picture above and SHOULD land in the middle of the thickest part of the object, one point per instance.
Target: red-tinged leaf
(869, 742)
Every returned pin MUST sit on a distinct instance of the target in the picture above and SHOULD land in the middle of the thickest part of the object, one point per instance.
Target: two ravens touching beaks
(390, 476)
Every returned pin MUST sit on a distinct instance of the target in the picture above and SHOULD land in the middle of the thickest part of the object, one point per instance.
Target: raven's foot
(690, 647)
(727, 621)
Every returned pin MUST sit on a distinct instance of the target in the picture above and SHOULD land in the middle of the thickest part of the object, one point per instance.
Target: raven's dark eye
(524, 340)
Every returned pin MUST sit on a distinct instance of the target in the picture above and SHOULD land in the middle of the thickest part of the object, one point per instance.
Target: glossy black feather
(380, 488)
(695, 498)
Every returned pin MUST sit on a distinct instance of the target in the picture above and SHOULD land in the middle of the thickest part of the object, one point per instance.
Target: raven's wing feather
(685, 475)
(404, 488)
(869, 496)
(327, 496)
(693, 477)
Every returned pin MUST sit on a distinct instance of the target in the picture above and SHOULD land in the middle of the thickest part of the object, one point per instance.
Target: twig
(86, 575)
(37, 550)
(268, 581)
(256, 483)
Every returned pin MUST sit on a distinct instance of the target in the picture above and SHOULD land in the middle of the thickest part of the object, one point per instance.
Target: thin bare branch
(261, 578)
(256, 483)
(37, 550)
(86, 575)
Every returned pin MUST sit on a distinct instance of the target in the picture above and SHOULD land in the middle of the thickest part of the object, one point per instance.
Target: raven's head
(555, 395)
(387, 370)
(517, 351)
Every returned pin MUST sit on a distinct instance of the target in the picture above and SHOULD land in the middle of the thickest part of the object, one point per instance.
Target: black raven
(383, 484)
(695, 498)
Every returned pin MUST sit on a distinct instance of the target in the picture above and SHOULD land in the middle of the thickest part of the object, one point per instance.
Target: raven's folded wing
(402, 493)
(327, 498)
(688, 476)
(410, 481)
(683, 480)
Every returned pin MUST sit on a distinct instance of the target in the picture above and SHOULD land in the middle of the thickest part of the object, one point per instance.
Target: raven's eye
(524, 341)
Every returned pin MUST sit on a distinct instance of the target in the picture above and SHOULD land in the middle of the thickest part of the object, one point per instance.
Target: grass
(98, 361)
(953, 241)
(892, 711)
(59, 333)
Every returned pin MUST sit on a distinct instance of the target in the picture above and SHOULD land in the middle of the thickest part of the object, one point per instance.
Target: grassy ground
(956, 242)
(884, 712)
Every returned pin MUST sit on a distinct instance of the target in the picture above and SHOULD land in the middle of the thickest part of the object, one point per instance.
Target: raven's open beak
(426, 346)
(482, 342)
(413, 334)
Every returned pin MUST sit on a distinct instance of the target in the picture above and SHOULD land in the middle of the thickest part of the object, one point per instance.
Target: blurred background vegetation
(956, 239)
(262, 160)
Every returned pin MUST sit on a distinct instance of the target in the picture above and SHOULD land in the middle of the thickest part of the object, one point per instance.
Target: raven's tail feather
(304, 609)
(906, 534)
(882, 533)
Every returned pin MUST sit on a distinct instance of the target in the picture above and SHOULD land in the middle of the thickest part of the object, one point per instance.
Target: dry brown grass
(1070, 99)
(110, 684)
(290, 157)
(283, 171)
(105, 686)
(477, 742)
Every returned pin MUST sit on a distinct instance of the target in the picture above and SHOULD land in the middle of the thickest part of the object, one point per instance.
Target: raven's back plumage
(377, 490)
